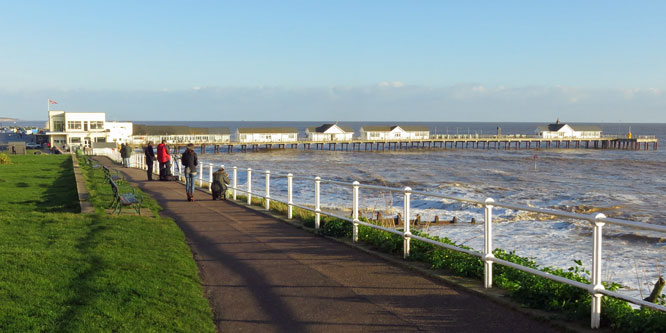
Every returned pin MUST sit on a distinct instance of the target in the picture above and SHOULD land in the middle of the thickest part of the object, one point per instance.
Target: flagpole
(48, 105)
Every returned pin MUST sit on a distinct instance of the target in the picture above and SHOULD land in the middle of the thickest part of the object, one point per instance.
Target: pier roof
(408, 128)
(177, 130)
(325, 127)
(579, 128)
(267, 130)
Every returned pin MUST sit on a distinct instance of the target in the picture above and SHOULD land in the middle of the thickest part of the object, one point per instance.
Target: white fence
(595, 288)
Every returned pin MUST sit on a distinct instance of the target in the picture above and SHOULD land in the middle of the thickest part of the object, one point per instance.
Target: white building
(267, 134)
(180, 134)
(394, 132)
(559, 130)
(71, 129)
(76, 128)
(329, 132)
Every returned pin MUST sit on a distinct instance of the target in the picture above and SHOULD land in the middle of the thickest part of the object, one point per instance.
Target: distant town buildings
(560, 130)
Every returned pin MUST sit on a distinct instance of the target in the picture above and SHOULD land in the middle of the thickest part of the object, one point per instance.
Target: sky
(581, 61)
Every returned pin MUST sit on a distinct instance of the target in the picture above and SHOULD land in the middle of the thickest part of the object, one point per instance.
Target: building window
(96, 125)
(58, 126)
(73, 125)
(74, 140)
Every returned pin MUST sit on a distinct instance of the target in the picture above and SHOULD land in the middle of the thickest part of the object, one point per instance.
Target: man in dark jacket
(220, 182)
(189, 160)
(150, 159)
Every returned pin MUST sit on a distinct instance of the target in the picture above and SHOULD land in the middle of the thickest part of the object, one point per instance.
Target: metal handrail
(595, 288)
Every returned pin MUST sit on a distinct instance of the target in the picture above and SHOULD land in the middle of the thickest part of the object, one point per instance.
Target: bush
(4, 159)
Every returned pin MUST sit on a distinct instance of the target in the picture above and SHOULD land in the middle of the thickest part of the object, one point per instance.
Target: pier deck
(441, 142)
(261, 274)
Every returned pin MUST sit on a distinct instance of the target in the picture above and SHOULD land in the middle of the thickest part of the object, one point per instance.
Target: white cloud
(394, 84)
(464, 102)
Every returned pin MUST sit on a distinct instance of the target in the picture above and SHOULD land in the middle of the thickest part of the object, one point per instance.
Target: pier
(516, 142)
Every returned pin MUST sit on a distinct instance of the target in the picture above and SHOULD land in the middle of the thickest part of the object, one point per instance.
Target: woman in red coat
(163, 158)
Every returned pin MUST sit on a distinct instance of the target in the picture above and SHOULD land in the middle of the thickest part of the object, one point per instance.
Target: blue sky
(337, 60)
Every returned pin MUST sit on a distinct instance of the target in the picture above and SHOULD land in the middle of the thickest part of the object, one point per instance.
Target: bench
(124, 199)
(92, 162)
(109, 176)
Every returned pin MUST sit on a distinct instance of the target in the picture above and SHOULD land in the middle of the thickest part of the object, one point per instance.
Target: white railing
(595, 288)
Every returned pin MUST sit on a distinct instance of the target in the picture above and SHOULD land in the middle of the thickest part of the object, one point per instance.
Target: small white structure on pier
(329, 132)
(180, 134)
(267, 134)
(559, 130)
(396, 132)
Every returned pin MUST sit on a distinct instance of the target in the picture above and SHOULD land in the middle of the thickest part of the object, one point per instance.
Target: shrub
(4, 159)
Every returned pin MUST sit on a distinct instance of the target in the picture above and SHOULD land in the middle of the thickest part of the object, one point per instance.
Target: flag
(52, 102)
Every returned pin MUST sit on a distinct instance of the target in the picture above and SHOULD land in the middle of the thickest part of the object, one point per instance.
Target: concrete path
(263, 275)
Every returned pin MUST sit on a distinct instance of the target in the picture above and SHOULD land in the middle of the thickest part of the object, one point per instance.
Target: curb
(81, 189)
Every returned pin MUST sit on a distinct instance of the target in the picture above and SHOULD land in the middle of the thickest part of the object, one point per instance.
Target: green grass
(68, 272)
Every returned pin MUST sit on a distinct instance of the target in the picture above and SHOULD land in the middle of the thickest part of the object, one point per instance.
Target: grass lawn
(63, 271)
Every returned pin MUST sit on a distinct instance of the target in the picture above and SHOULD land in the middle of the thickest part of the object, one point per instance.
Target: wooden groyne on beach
(440, 142)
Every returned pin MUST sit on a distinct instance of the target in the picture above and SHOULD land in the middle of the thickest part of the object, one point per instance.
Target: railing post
(488, 243)
(290, 201)
(267, 200)
(596, 270)
(200, 175)
(317, 203)
(407, 234)
(355, 210)
(249, 186)
(180, 173)
(156, 167)
(210, 178)
(235, 182)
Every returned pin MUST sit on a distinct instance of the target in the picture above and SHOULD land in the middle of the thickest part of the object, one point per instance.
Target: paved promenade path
(263, 275)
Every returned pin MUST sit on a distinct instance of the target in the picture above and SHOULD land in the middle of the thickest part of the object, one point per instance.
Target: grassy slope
(69, 272)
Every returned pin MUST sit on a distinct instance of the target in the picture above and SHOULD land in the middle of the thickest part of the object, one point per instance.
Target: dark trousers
(150, 169)
(163, 171)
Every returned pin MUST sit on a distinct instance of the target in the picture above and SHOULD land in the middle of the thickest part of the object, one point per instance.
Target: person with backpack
(189, 161)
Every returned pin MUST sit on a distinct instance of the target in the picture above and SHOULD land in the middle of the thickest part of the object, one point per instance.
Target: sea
(624, 184)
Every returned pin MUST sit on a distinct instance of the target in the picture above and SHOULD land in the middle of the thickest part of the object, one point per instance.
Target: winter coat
(189, 160)
(221, 176)
(128, 151)
(162, 153)
(150, 154)
(123, 151)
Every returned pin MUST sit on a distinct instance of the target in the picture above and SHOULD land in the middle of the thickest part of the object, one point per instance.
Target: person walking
(128, 154)
(123, 153)
(150, 159)
(189, 161)
(163, 158)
